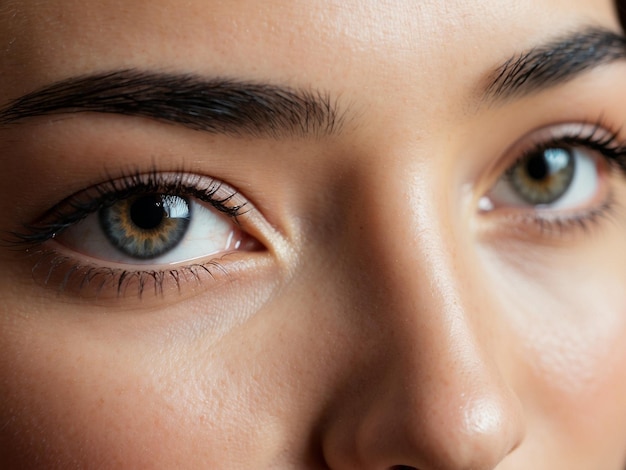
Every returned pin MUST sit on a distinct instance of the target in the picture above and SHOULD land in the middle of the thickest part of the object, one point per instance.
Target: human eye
(562, 178)
(138, 233)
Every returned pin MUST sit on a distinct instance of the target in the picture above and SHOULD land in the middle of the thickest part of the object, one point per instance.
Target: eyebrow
(223, 106)
(554, 63)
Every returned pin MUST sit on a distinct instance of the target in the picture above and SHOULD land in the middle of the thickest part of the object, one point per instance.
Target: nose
(430, 386)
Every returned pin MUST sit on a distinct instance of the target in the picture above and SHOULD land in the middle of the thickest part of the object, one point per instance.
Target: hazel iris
(543, 177)
(146, 226)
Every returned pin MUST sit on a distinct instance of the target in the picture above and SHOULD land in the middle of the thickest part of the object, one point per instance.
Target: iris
(543, 177)
(146, 226)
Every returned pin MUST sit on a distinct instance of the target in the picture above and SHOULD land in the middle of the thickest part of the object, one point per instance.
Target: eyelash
(600, 138)
(77, 207)
(116, 189)
(72, 210)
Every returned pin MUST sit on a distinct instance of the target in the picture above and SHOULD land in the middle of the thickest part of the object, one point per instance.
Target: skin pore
(362, 286)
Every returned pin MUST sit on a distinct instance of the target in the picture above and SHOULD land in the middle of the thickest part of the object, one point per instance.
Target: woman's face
(293, 234)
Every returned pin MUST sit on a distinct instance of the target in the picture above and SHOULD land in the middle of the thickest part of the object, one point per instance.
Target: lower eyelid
(553, 227)
(56, 269)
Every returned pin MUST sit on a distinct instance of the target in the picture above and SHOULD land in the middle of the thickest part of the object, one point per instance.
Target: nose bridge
(415, 258)
(437, 315)
(441, 401)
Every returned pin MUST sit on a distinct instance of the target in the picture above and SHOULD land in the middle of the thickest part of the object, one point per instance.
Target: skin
(383, 319)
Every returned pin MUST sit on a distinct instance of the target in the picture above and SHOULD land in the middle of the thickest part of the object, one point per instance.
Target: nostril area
(403, 467)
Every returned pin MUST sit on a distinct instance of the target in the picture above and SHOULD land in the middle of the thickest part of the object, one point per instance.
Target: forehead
(281, 32)
(330, 41)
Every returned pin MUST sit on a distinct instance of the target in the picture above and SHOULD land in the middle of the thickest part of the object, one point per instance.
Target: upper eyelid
(74, 208)
(597, 135)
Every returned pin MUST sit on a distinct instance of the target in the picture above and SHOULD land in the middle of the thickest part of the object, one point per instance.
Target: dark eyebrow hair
(217, 105)
(555, 62)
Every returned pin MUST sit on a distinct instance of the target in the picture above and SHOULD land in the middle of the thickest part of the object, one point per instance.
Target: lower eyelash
(62, 273)
(557, 226)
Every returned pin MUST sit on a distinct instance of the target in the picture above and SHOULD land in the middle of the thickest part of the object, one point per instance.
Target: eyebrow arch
(554, 63)
(223, 106)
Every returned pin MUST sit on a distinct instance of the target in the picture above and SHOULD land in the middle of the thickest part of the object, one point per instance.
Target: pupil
(537, 168)
(147, 212)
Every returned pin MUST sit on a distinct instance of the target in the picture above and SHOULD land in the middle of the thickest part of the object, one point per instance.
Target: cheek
(70, 401)
(579, 388)
(80, 392)
(571, 354)
(75, 398)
